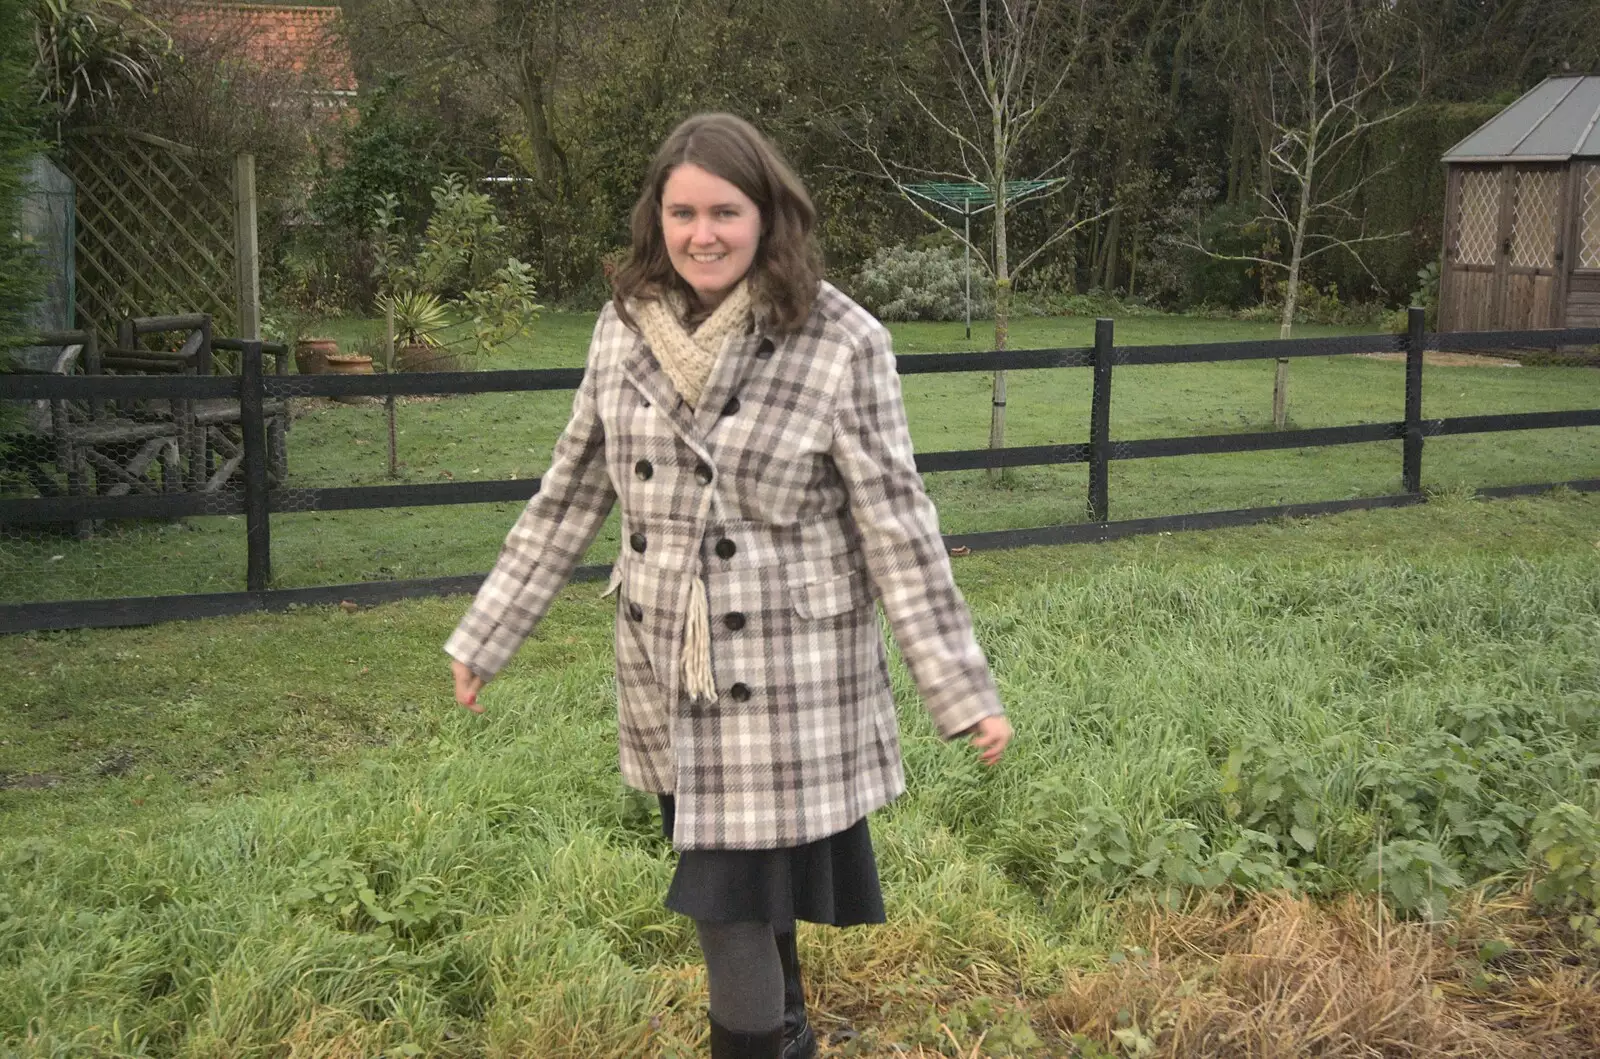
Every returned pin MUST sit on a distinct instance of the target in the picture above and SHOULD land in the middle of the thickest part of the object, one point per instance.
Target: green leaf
(1492, 950)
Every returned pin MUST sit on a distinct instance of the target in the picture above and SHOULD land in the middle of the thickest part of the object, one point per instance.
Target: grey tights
(744, 973)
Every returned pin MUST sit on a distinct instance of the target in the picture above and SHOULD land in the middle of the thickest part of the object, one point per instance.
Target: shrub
(456, 267)
(20, 275)
(901, 283)
(1052, 299)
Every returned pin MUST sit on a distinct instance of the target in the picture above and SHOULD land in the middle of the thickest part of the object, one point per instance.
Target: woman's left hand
(991, 735)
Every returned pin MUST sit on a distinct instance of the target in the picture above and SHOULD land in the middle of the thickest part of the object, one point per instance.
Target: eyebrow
(713, 206)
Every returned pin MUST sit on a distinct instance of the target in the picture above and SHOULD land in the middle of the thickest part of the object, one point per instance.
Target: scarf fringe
(698, 680)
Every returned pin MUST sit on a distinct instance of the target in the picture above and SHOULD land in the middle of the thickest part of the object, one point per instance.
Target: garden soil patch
(1434, 358)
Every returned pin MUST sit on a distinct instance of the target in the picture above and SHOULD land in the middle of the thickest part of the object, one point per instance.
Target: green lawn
(206, 827)
(495, 436)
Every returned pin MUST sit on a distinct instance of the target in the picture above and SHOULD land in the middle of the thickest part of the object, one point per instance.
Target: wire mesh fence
(120, 480)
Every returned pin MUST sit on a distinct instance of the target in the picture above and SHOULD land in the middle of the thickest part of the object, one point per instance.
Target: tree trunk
(1108, 277)
(535, 122)
(1291, 294)
(1238, 162)
(530, 103)
(1002, 332)
(1002, 264)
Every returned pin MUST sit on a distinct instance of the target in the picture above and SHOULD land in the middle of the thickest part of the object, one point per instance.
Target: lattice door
(155, 231)
(1478, 217)
(1589, 220)
(1536, 204)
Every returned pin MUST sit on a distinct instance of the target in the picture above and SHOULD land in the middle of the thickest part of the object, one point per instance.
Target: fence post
(247, 263)
(1411, 461)
(1100, 423)
(253, 424)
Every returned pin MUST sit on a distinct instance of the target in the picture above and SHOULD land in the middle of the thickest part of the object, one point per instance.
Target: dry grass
(1281, 976)
(1272, 977)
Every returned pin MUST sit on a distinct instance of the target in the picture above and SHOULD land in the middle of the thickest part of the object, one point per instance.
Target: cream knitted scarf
(688, 358)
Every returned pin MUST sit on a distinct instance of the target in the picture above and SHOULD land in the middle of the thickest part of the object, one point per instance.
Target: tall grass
(489, 889)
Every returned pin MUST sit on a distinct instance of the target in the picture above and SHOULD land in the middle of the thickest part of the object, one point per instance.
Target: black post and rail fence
(257, 500)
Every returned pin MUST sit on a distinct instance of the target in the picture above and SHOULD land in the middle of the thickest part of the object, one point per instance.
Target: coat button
(764, 351)
(644, 469)
(637, 542)
(702, 471)
(739, 693)
(725, 548)
(635, 612)
(733, 620)
(731, 407)
(644, 402)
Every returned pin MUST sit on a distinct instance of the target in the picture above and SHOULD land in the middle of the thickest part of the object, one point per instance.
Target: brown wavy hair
(787, 265)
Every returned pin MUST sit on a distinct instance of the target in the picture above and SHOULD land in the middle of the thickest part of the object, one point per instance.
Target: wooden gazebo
(1522, 215)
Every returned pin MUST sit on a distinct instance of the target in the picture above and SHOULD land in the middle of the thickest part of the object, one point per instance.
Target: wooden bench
(213, 444)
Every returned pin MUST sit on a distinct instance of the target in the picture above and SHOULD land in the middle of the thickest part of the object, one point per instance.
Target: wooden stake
(388, 399)
(1280, 395)
(246, 255)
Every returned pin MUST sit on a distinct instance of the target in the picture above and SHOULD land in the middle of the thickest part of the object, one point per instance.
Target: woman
(748, 416)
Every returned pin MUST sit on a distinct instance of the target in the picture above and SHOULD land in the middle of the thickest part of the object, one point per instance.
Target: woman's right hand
(468, 684)
(990, 736)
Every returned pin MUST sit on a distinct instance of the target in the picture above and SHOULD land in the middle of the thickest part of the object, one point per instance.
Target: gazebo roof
(1556, 120)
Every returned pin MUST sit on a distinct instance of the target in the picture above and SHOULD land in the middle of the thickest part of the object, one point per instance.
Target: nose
(702, 232)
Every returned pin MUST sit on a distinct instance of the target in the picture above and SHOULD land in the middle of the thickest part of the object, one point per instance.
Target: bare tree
(1008, 63)
(1326, 70)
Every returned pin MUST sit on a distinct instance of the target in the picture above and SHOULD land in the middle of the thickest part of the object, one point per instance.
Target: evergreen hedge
(1407, 197)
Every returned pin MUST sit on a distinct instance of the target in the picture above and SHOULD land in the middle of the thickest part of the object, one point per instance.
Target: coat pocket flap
(831, 596)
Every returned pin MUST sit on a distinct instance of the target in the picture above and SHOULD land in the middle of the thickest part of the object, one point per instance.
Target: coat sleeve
(905, 554)
(555, 530)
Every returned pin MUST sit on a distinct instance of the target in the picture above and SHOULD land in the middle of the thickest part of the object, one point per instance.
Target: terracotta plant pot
(428, 358)
(311, 355)
(348, 364)
(351, 364)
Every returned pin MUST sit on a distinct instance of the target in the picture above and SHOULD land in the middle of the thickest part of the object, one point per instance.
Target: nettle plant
(361, 898)
(1566, 843)
(457, 274)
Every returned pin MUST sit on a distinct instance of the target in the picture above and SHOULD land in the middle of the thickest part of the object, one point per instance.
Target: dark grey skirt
(833, 880)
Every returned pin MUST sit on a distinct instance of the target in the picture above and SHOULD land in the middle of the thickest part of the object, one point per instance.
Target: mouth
(707, 259)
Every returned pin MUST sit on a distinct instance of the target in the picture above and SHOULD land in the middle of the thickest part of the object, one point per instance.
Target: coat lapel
(727, 375)
(644, 371)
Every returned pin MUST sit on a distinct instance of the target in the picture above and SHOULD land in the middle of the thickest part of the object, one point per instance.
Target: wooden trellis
(156, 230)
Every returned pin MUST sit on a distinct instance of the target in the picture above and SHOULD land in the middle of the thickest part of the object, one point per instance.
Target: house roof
(1556, 120)
(304, 39)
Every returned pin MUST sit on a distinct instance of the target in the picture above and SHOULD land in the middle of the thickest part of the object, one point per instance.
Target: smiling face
(711, 229)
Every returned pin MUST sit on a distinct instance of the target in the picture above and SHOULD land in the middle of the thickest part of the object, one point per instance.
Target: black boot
(729, 1044)
(798, 1040)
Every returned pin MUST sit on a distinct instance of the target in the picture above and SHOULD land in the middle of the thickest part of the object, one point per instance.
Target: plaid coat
(791, 489)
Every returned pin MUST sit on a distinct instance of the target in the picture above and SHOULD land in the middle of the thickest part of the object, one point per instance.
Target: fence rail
(258, 502)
